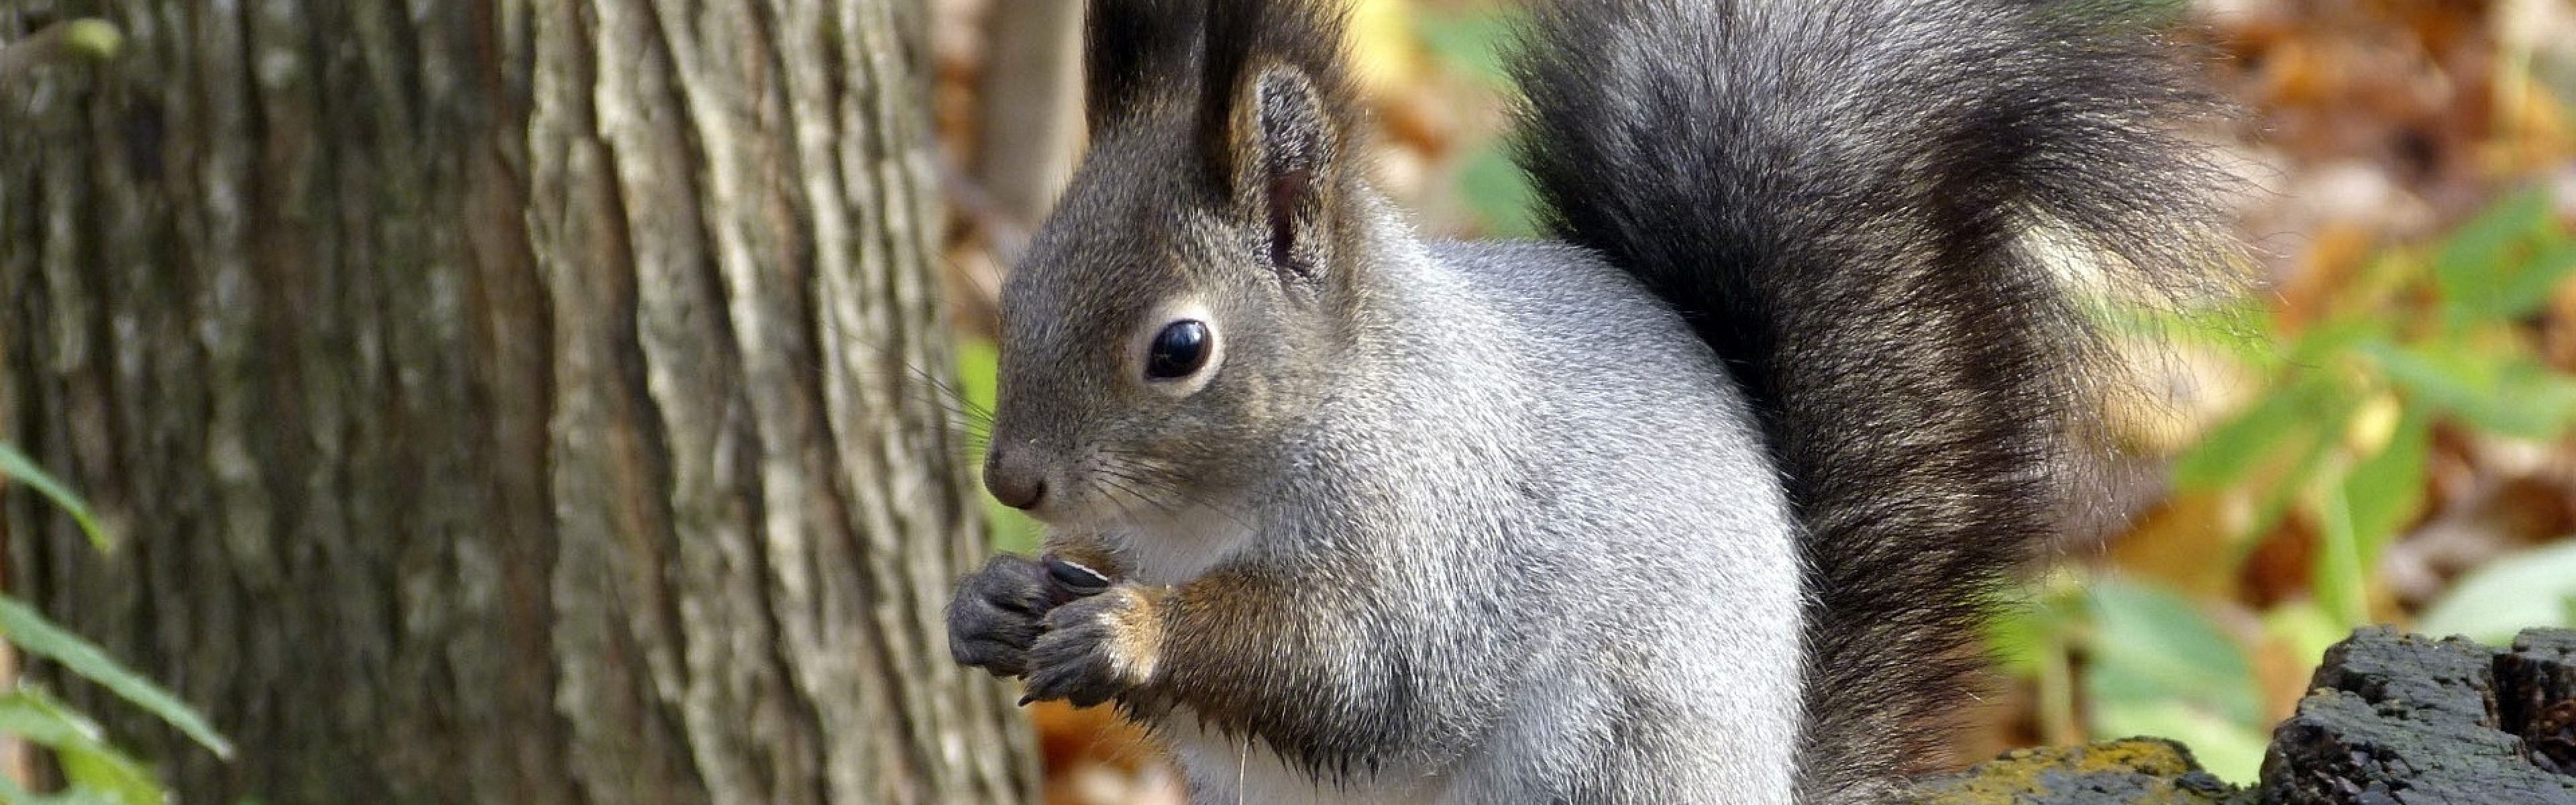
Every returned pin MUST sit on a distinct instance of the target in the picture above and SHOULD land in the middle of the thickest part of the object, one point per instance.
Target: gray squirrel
(1702, 502)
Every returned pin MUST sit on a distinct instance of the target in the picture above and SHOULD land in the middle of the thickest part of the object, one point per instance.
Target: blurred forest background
(2382, 434)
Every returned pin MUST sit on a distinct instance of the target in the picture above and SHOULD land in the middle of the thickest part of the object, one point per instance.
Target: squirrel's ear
(1133, 49)
(1280, 156)
(1276, 126)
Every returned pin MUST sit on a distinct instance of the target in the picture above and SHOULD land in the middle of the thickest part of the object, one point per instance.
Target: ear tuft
(1277, 121)
(1248, 45)
(1133, 49)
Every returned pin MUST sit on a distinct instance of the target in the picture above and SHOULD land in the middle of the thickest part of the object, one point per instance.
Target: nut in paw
(1097, 648)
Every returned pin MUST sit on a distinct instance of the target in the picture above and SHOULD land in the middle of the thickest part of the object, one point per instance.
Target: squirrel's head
(1176, 315)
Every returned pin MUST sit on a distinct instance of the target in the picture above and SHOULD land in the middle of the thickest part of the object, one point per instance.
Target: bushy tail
(1865, 206)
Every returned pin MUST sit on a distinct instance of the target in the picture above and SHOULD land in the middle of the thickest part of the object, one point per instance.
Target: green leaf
(16, 465)
(2340, 575)
(2035, 621)
(2325, 342)
(1499, 194)
(2306, 629)
(2506, 596)
(2276, 425)
(2230, 749)
(2529, 285)
(32, 633)
(978, 372)
(82, 795)
(2385, 492)
(1473, 42)
(2238, 328)
(2290, 433)
(2166, 644)
(2476, 260)
(978, 380)
(2160, 667)
(89, 763)
(93, 37)
(2021, 633)
(2511, 394)
(122, 778)
(2273, 503)
(1013, 530)
(2016, 638)
(30, 714)
(11, 794)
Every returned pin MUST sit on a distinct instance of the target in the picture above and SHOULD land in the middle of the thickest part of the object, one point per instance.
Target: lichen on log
(2391, 719)
(2137, 771)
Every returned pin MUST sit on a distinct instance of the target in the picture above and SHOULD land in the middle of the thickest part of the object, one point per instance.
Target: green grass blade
(2385, 492)
(31, 715)
(11, 794)
(99, 774)
(2342, 583)
(32, 633)
(16, 465)
(122, 780)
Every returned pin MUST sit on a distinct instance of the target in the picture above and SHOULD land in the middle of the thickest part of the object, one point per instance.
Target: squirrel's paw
(996, 615)
(1097, 648)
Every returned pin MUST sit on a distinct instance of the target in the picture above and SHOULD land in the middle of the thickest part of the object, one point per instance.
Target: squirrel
(1701, 500)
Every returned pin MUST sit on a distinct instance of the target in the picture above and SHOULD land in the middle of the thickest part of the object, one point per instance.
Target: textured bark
(524, 401)
(2536, 696)
(2398, 719)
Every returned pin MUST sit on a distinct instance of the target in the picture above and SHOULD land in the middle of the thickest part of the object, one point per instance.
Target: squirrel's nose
(1013, 479)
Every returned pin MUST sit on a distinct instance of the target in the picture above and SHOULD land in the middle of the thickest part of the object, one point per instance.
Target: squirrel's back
(1853, 202)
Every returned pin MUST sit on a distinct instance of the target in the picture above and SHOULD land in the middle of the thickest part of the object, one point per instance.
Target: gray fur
(1506, 492)
(1616, 523)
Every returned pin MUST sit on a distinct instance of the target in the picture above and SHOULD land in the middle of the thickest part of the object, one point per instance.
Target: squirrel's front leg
(1314, 673)
(1201, 644)
(1099, 647)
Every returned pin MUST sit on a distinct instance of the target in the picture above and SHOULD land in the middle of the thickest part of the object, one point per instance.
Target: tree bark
(509, 401)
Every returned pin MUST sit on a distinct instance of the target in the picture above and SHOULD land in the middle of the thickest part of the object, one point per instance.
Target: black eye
(1180, 349)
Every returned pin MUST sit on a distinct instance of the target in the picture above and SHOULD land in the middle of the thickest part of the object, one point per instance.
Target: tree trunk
(509, 401)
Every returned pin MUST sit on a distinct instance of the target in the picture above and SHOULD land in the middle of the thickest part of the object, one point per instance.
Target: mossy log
(2391, 719)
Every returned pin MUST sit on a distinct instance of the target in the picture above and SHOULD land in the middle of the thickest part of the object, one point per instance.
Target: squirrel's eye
(1180, 349)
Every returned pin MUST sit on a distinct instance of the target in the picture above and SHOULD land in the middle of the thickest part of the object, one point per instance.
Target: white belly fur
(1214, 763)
